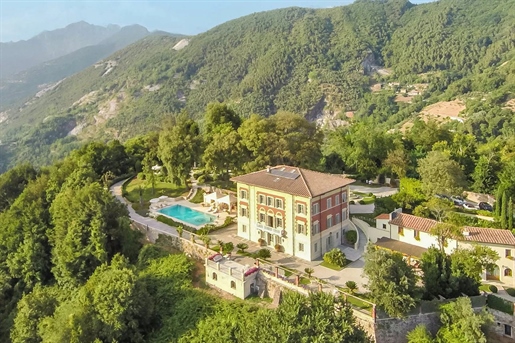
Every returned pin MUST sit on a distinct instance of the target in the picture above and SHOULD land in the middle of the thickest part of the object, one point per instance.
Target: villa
(410, 235)
(301, 212)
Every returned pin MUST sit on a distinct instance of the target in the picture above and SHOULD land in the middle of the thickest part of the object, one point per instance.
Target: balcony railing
(269, 229)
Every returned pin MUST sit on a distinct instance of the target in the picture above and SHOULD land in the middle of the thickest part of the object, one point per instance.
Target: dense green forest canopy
(299, 60)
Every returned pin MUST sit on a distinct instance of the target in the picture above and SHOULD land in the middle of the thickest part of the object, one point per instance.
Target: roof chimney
(466, 232)
(268, 169)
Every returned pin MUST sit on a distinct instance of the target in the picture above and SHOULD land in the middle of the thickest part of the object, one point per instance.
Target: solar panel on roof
(287, 175)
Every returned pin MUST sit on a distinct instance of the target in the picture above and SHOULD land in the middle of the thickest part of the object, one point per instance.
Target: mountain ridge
(295, 59)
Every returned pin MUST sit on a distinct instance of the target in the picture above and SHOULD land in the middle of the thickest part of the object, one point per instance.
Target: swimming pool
(187, 215)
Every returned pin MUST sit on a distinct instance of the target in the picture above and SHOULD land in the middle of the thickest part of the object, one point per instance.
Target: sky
(23, 19)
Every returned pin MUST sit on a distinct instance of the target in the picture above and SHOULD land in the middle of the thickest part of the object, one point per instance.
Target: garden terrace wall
(196, 249)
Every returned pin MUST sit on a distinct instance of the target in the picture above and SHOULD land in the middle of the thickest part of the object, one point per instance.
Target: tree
(219, 114)
(89, 228)
(397, 162)
(410, 193)
(485, 173)
(420, 334)
(439, 208)
(384, 205)
(437, 275)
(31, 309)
(13, 182)
(504, 211)
(361, 148)
(392, 283)
(440, 174)
(510, 214)
(179, 149)
(468, 266)
(444, 232)
(460, 323)
(180, 230)
(224, 151)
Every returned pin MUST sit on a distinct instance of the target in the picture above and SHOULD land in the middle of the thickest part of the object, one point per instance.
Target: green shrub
(352, 286)
(352, 202)
(242, 246)
(351, 236)
(263, 253)
(141, 176)
(493, 288)
(335, 257)
(499, 304)
(362, 202)
(228, 247)
(511, 291)
(171, 222)
(370, 194)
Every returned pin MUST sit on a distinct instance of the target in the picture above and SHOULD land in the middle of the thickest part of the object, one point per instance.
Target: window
(243, 194)
(507, 272)
(344, 197)
(416, 235)
(261, 217)
(301, 228)
(316, 247)
(301, 246)
(270, 201)
(384, 226)
(233, 285)
(215, 277)
(316, 228)
(279, 203)
(279, 222)
(261, 199)
(329, 221)
(337, 220)
(507, 330)
(336, 200)
(329, 242)
(315, 208)
(507, 253)
(244, 212)
(301, 209)
(329, 202)
(400, 231)
(244, 228)
(344, 214)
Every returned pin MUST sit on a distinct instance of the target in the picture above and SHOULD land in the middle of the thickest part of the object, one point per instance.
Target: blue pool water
(187, 215)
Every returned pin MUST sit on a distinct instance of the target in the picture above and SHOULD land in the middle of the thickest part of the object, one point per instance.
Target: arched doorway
(493, 274)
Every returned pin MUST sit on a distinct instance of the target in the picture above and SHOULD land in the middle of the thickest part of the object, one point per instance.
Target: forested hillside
(310, 62)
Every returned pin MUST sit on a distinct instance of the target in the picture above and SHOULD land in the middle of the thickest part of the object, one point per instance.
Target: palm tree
(309, 271)
(180, 230)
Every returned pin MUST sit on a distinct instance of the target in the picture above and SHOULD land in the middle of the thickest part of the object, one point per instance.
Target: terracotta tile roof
(484, 235)
(293, 180)
(402, 247)
(383, 216)
(413, 222)
(476, 234)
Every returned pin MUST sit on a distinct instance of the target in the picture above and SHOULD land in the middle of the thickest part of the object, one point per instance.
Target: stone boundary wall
(496, 330)
(197, 250)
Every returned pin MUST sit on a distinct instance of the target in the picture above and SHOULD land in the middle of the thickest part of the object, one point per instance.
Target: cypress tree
(510, 214)
(498, 202)
(504, 215)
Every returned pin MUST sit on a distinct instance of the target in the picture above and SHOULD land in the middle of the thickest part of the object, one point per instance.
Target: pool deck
(221, 215)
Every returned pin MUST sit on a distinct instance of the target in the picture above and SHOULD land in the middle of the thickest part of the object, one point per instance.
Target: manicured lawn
(330, 266)
(199, 197)
(305, 281)
(359, 303)
(131, 192)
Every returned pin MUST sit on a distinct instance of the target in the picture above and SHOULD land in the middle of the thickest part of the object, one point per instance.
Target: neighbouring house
(302, 211)
(230, 276)
(410, 235)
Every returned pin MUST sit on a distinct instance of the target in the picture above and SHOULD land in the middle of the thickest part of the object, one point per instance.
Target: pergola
(229, 200)
(213, 197)
(411, 252)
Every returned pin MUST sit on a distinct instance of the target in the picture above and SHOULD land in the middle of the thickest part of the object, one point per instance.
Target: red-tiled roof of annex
(475, 234)
(383, 216)
(309, 183)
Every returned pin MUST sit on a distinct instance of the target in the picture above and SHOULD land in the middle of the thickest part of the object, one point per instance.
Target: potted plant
(261, 242)
(278, 247)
